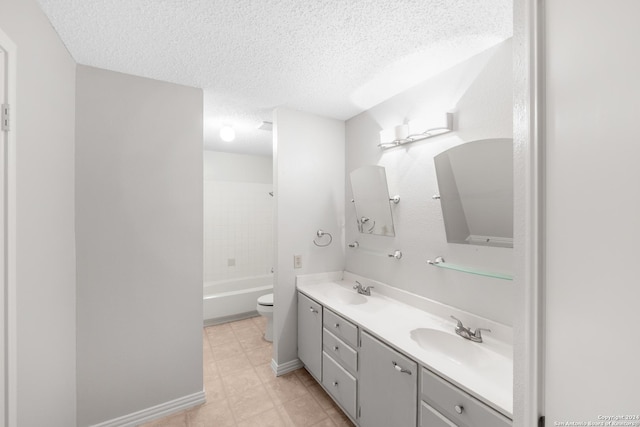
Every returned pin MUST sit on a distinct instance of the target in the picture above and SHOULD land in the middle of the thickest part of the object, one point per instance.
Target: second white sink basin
(453, 347)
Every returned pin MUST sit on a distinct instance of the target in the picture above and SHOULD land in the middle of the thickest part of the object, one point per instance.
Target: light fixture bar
(429, 133)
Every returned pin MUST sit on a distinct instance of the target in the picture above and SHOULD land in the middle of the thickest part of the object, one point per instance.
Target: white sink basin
(344, 296)
(455, 348)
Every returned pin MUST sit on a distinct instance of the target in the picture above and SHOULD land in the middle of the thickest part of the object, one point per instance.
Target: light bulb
(227, 133)
(401, 132)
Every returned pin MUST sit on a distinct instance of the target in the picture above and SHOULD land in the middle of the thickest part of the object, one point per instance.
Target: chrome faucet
(472, 335)
(364, 290)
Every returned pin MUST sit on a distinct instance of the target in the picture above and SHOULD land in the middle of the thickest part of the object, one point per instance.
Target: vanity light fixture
(407, 133)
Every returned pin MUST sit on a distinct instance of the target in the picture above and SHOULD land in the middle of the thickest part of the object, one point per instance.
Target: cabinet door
(387, 386)
(310, 335)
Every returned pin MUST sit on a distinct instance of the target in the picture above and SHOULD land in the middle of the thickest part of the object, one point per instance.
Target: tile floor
(242, 390)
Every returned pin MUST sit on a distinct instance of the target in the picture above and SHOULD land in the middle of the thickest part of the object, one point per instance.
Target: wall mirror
(371, 201)
(475, 181)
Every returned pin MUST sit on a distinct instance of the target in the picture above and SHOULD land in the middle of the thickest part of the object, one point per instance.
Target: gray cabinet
(429, 417)
(443, 402)
(387, 385)
(340, 384)
(340, 351)
(374, 384)
(310, 335)
(341, 327)
(340, 360)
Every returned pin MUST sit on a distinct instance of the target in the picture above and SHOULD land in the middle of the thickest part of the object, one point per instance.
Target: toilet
(265, 308)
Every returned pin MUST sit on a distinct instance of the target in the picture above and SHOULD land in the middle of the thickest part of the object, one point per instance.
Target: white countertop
(392, 321)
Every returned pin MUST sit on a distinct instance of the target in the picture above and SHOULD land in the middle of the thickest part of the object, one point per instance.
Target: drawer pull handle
(337, 325)
(335, 348)
(459, 408)
(400, 368)
(335, 383)
(313, 310)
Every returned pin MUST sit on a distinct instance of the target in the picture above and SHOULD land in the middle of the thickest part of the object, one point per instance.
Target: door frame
(8, 405)
(528, 127)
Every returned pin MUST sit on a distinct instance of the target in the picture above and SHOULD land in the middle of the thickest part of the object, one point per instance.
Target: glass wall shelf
(439, 262)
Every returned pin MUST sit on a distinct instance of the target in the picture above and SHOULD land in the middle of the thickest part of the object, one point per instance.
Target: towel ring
(320, 234)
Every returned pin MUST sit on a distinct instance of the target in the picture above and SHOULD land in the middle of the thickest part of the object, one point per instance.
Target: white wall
(480, 91)
(309, 194)
(139, 238)
(592, 204)
(46, 283)
(231, 167)
(238, 215)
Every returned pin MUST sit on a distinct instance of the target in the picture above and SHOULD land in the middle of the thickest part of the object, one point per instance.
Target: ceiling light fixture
(227, 133)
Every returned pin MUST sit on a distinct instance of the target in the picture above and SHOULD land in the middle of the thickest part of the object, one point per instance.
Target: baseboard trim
(285, 368)
(232, 318)
(155, 412)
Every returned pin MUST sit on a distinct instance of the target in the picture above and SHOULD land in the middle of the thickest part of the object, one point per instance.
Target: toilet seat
(266, 300)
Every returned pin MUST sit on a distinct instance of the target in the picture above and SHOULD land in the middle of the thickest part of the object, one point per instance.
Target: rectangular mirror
(371, 201)
(475, 181)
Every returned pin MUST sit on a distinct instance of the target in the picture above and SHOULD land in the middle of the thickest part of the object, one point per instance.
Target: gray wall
(308, 182)
(479, 90)
(592, 203)
(45, 270)
(139, 239)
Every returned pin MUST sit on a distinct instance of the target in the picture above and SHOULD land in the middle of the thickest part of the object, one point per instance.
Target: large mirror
(371, 201)
(475, 181)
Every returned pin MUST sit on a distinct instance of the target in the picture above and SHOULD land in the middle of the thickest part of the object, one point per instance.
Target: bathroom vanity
(389, 362)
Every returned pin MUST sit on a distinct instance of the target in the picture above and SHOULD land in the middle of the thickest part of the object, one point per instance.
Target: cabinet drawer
(340, 351)
(341, 327)
(458, 406)
(340, 384)
(429, 417)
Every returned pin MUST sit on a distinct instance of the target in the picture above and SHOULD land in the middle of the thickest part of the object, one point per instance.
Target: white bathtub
(234, 299)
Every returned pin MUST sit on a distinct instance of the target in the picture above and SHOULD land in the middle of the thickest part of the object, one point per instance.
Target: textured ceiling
(335, 58)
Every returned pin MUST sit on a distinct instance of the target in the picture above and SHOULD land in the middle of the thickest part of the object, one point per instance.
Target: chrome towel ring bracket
(319, 235)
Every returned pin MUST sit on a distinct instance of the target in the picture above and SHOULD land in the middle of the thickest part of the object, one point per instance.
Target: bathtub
(233, 299)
